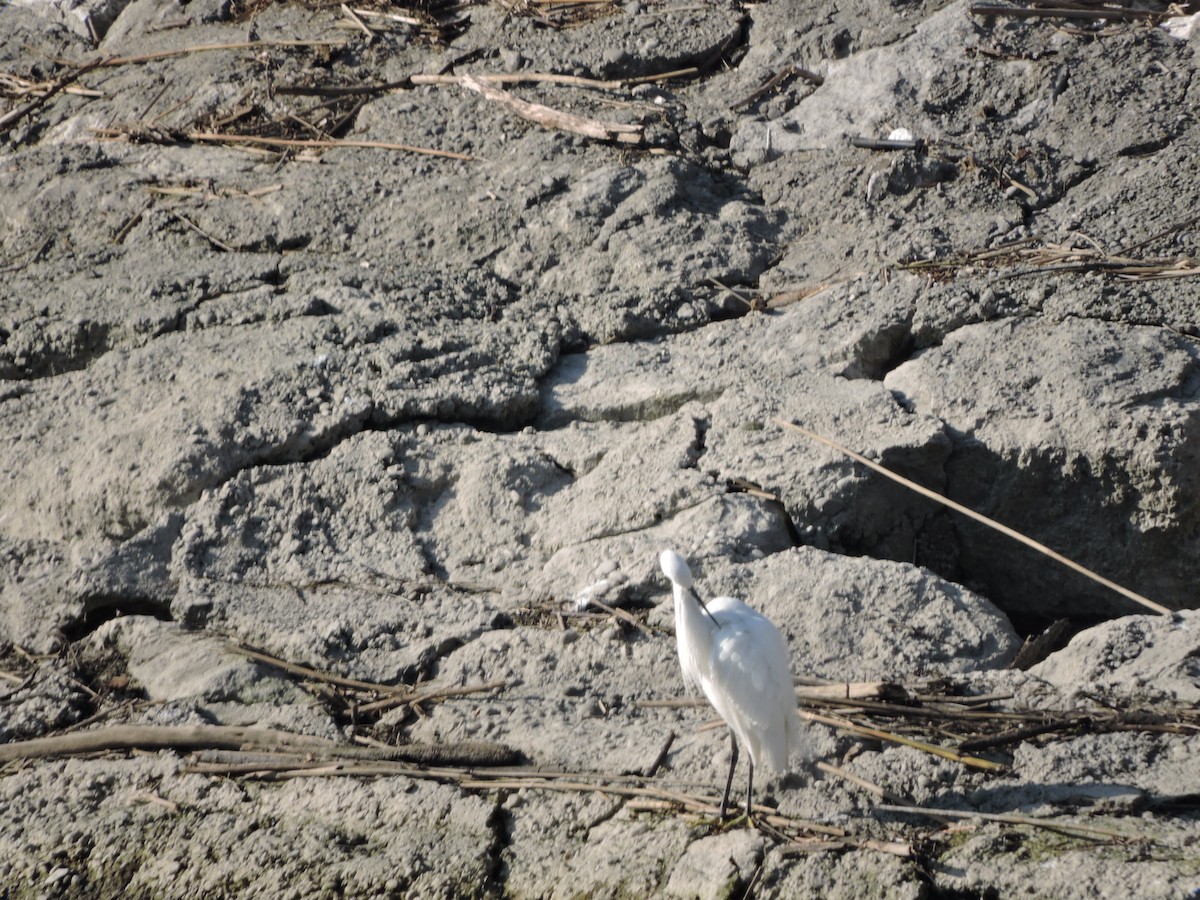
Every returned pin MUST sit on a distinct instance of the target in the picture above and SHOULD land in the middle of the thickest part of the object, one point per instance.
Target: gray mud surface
(410, 417)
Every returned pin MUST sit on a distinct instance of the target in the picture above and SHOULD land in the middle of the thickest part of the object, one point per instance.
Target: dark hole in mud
(106, 609)
(1042, 639)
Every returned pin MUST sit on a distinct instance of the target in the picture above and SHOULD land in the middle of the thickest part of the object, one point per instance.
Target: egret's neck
(687, 607)
(694, 631)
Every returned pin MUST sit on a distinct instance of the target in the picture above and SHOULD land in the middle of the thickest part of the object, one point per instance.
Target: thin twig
(1017, 735)
(28, 680)
(880, 792)
(102, 715)
(340, 90)
(220, 245)
(979, 517)
(413, 699)
(520, 78)
(357, 22)
(774, 81)
(131, 222)
(549, 78)
(653, 768)
(147, 797)
(33, 257)
(391, 17)
(1166, 232)
(317, 675)
(808, 845)
(321, 144)
(1048, 12)
(22, 87)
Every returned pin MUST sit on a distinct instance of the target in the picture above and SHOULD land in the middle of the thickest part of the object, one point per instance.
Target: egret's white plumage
(739, 660)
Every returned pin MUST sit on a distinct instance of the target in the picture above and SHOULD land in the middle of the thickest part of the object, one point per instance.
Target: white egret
(739, 660)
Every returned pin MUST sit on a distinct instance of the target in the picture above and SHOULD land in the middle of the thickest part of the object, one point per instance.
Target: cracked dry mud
(394, 416)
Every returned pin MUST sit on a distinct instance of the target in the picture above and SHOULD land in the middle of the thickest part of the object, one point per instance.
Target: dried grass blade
(58, 85)
(623, 615)
(210, 137)
(818, 845)
(258, 142)
(880, 792)
(1068, 12)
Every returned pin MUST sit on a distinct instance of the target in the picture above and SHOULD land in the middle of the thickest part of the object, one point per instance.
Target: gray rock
(1136, 659)
(1082, 435)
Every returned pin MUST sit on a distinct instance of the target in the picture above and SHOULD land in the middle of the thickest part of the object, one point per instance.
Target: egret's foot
(738, 821)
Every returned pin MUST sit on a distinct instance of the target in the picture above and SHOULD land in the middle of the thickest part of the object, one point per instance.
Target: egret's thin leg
(749, 788)
(733, 757)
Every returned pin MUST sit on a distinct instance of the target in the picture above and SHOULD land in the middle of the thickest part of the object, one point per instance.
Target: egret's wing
(750, 683)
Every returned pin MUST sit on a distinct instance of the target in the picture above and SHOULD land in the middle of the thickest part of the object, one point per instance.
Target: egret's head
(676, 569)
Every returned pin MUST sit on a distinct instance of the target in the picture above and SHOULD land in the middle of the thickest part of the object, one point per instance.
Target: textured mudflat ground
(317, 338)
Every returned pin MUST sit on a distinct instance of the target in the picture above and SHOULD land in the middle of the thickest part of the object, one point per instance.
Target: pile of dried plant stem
(1083, 10)
(486, 85)
(968, 723)
(1029, 256)
(855, 708)
(365, 700)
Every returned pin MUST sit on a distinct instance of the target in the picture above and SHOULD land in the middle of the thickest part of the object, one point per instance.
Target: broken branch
(227, 737)
(618, 132)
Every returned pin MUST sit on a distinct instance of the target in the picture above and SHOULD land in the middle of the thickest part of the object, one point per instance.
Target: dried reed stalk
(226, 737)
